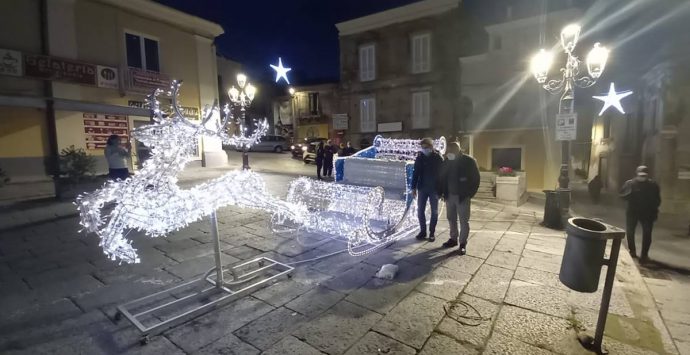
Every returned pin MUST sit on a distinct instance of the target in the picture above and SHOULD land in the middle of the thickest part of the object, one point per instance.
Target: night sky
(302, 32)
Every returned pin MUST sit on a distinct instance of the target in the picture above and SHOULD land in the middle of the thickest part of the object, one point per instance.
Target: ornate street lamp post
(572, 76)
(241, 99)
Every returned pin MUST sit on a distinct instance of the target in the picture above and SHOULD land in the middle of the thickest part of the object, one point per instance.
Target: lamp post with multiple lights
(241, 98)
(572, 76)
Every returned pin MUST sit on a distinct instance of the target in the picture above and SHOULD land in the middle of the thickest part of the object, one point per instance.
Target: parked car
(299, 149)
(309, 155)
(270, 143)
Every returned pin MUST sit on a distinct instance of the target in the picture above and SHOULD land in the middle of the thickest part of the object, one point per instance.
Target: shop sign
(11, 62)
(340, 121)
(187, 111)
(58, 69)
(98, 127)
(390, 127)
(107, 77)
(145, 80)
(566, 127)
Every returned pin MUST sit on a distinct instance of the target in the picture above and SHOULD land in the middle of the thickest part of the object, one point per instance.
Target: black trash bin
(552, 210)
(584, 252)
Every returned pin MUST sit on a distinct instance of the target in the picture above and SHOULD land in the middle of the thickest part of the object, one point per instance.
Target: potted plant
(76, 171)
(510, 186)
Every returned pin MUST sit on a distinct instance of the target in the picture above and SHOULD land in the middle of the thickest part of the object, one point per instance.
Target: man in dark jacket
(644, 199)
(328, 152)
(424, 179)
(458, 183)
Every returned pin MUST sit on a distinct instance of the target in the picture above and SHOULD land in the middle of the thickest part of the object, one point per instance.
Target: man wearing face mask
(424, 179)
(458, 183)
(644, 198)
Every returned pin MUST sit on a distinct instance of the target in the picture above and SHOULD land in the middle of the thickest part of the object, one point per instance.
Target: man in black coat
(458, 183)
(644, 199)
(424, 179)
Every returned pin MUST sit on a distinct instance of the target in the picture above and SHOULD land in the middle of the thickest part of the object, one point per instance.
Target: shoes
(644, 259)
(462, 249)
(633, 255)
(432, 238)
(421, 236)
(450, 243)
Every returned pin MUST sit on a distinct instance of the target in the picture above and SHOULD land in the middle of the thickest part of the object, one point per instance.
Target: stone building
(78, 70)
(309, 111)
(399, 71)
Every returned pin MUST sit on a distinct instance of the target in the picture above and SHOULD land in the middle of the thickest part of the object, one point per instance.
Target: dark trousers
(631, 225)
(422, 197)
(327, 168)
(115, 174)
(319, 165)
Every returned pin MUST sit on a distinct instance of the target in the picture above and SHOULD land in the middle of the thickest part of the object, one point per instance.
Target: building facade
(310, 111)
(399, 72)
(79, 70)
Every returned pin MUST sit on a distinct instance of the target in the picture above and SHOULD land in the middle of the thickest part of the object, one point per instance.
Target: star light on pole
(613, 98)
(281, 71)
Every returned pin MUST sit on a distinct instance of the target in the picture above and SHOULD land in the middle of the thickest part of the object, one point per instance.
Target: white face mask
(450, 156)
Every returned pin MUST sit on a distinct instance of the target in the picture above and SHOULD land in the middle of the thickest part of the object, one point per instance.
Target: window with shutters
(367, 114)
(142, 52)
(367, 62)
(421, 53)
(421, 107)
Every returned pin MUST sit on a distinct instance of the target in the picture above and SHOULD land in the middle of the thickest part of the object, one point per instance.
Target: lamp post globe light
(241, 98)
(572, 76)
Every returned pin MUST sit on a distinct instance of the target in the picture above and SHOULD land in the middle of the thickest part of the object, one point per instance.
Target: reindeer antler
(153, 103)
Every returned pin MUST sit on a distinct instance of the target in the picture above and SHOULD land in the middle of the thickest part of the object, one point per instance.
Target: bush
(4, 179)
(506, 171)
(76, 165)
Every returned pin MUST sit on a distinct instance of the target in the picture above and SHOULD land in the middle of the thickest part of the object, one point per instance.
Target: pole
(245, 153)
(606, 297)
(216, 247)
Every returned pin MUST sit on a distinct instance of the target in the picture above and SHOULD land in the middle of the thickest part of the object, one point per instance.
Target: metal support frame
(207, 287)
(596, 344)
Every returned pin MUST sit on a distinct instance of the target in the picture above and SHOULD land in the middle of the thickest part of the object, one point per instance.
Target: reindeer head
(175, 131)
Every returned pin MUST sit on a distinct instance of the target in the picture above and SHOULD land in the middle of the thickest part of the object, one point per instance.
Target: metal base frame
(209, 292)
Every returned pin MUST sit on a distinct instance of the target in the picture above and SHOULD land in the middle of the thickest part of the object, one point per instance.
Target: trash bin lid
(590, 228)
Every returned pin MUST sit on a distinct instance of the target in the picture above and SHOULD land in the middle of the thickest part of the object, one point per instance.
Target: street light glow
(291, 90)
(596, 60)
(251, 91)
(234, 93)
(241, 80)
(570, 34)
(540, 65)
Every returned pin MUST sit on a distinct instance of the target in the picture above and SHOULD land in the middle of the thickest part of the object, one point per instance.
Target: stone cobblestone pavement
(59, 293)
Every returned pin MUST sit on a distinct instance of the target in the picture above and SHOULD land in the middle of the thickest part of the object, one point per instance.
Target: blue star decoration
(613, 98)
(281, 71)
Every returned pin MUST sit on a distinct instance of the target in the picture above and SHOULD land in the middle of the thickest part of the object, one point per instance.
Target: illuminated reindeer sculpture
(151, 201)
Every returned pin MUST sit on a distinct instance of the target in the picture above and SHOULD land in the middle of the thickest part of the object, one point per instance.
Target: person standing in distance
(458, 183)
(644, 199)
(319, 159)
(424, 180)
(117, 158)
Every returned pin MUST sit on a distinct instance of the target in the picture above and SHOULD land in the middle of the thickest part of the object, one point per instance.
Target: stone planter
(511, 190)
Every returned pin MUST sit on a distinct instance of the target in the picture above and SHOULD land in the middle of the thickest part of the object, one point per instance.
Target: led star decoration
(281, 71)
(151, 201)
(613, 99)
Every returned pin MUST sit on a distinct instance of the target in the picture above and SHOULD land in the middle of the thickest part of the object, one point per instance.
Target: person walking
(116, 156)
(458, 183)
(328, 152)
(319, 159)
(644, 198)
(349, 150)
(424, 180)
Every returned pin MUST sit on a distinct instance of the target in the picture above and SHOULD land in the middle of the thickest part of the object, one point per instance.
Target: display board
(98, 127)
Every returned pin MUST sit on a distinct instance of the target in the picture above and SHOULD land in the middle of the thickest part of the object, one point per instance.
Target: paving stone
(336, 330)
(74, 286)
(462, 324)
(509, 244)
(217, 324)
(539, 264)
(127, 340)
(337, 264)
(193, 252)
(380, 295)
(539, 277)
(177, 245)
(315, 302)
(375, 343)
(497, 226)
(545, 257)
(679, 331)
(270, 328)
(431, 257)
(282, 292)
(154, 277)
(465, 264)
(618, 305)
(444, 283)
(490, 283)
(35, 314)
(441, 344)
(351, 279)
(309, 276)
(500, 344)
(291, 346)
(413, 319)
(242, 252)
(546, 248)
(119, 292)
(480, 247)
(385, 256)
(539, 298)
(504, 259)
(540, 330)
(192, 268)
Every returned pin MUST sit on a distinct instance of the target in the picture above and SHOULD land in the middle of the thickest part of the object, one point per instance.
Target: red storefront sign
(51, 68)
(98, 127)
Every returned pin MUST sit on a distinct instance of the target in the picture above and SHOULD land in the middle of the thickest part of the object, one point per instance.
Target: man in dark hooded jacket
(458, 183)
(424, 180)
(644, 199)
